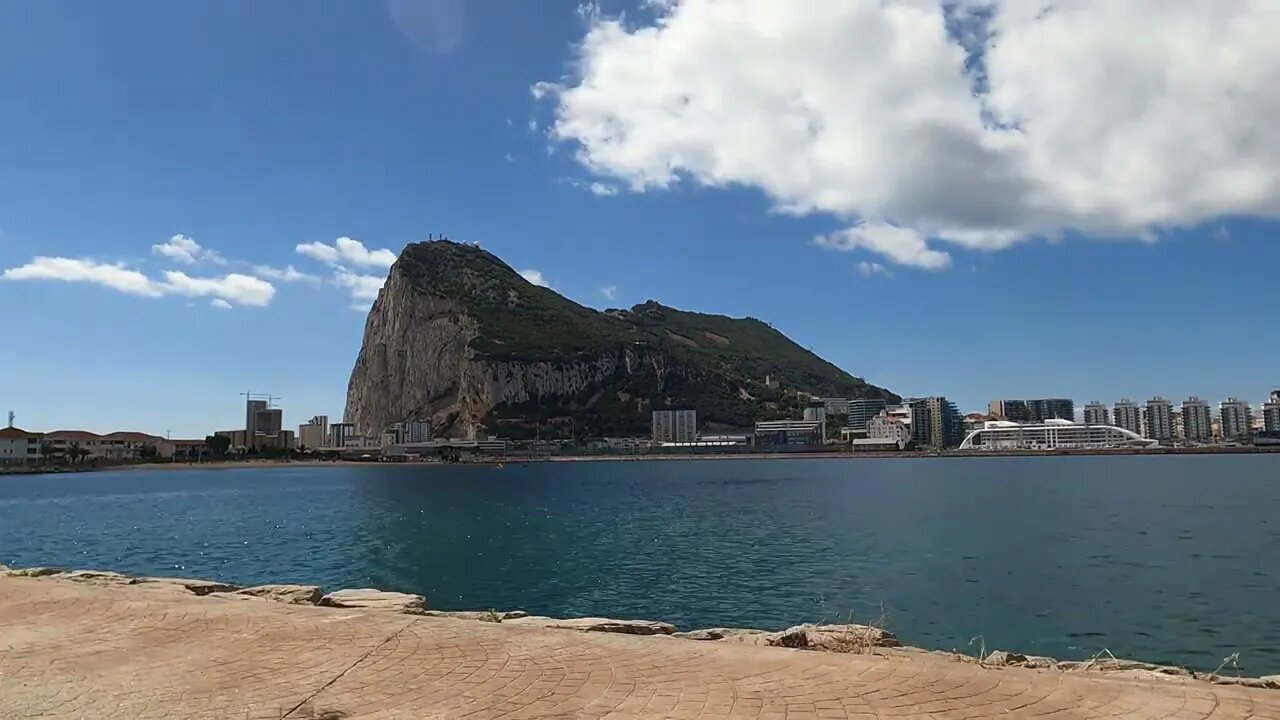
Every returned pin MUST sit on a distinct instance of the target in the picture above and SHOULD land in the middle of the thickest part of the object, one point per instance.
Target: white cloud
(116, 277)
(187, 251)
(286, 274)
(609, 292)
(345, 251)
(220, 304)
(363, 287)
(867, 269)
(603, 190)
(902, 245)
(233, 288)
(533, 125)
(535, 277)
(911, 123)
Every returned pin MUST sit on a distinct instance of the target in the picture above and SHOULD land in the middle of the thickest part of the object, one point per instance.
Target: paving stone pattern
(70, 650)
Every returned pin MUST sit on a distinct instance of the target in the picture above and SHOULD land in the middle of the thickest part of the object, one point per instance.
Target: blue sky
(254, 127)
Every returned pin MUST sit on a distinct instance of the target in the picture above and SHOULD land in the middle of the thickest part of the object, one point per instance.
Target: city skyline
(184, 202)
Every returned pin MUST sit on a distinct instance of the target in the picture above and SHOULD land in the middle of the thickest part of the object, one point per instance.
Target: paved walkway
(69, 650)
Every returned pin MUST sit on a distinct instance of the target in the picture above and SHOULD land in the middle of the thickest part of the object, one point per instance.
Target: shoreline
(646, 457)
(842, 639)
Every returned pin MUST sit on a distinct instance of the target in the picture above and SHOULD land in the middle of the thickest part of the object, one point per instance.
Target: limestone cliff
(459, 338)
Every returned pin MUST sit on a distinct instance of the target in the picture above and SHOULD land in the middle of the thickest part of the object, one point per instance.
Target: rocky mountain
(458, 337)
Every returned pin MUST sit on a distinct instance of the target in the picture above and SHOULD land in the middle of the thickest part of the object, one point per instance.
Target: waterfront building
(788, 433)
(1012, 410)
(82, 445)
(1271, 414)
(338, 434)
(314, 434)
(863, 409)
(1237, 419)
(816, 412)
(836, 406)
(675, 426)
(935, 422)
(417, 431)
(183, 449)
(1052, 434)
(973, 421)
(19, 447)
(1197, 421)
(1127, 415)
(1050, 409)
(886, 427)
(1095, 413)
(1159, 420)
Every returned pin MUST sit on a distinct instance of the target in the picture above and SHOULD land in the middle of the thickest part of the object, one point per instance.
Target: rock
(823, 638)
(33, 572)
(1271, 681)
(191, 585)
(455, 332)
(1004, 658)
(96, 577)
(480, 615)
(741, 636)
(848, 638)
(368, 599)
(4, 568)
(626, 627)
(288, 594)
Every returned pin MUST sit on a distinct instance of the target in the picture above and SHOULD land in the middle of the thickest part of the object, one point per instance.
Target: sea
(1168, 559)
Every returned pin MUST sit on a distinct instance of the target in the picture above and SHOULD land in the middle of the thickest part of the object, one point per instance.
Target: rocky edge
(839, 638)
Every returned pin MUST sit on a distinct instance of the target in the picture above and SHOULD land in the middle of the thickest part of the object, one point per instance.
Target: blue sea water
(1164, 559)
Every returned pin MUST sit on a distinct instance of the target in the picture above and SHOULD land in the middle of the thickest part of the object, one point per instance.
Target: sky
(979, 198)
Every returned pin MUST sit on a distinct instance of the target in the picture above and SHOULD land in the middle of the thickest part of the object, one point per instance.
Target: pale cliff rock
(589, 624)
(850, 638)
(458, 338)
(368, 599)
(288, 594)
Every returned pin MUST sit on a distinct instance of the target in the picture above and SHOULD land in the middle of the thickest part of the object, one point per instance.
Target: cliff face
(459, 338)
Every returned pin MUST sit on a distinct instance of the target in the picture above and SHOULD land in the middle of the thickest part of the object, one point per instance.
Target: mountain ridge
(458, 337)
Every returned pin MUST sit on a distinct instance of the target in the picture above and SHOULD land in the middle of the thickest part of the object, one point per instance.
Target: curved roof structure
(1051, 435)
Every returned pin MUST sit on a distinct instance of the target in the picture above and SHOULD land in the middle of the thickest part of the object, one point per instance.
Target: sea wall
(841, 638)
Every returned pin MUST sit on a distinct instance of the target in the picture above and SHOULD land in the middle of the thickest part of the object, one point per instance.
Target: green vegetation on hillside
(733, 371)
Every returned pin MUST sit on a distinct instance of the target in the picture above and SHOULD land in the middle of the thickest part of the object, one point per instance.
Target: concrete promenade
(71, 650)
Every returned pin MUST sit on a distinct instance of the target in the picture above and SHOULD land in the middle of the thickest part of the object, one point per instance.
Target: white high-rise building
(1271, 413)
(1159, 417)
(1237, 419)
(1095, 413)
(1128, 416)
(1197, 421)
(315, 434)
(675, 426)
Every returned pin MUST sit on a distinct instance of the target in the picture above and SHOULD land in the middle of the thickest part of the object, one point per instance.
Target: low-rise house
(81, 445)
(19, 447)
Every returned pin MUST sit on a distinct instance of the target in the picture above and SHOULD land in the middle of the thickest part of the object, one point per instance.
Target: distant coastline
(648, 457)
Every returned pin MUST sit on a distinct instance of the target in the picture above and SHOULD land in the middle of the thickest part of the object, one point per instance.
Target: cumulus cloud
(116, 277)
(921, 124)
(286, 274)
(363, 288)
(609, 292)
(183, 249)
(220, 304)
(535, 277)
(345, 251)
(867, 269)
(233, 288)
